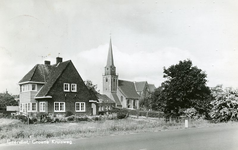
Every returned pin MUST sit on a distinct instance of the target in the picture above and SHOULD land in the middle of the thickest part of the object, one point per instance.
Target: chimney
(59, 60)
(47, 62)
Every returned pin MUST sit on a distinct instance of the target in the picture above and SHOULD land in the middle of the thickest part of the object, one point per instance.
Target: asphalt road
(209, 138)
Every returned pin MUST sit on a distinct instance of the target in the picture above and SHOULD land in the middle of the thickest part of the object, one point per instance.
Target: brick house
(56, 89)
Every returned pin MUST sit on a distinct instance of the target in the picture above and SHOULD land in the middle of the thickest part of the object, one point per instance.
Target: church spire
(110, 61)
(110, 69)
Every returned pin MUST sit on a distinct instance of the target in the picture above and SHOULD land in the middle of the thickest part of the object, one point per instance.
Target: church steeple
(110, 69)
(110, 79)
(110, 61)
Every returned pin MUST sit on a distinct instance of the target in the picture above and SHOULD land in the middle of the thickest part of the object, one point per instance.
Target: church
(125, 94)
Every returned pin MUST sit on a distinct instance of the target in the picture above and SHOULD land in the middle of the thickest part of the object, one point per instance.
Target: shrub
(70, 118)
(123, 113)
(22, 118)
(81, 118)
(32, 120)
(68, 113)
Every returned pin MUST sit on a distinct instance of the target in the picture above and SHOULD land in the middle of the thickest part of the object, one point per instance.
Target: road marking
(143, 149)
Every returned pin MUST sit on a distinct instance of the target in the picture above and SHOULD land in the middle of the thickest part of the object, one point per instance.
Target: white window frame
(80, 110)
(59, 107)
(28, 107)
(66, 90)
(75, 85)
(28, 87)
(35, 87)
(32, 107)
(42, 106)
(21, 107)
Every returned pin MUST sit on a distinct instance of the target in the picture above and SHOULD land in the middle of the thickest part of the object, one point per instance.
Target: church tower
(110, 78)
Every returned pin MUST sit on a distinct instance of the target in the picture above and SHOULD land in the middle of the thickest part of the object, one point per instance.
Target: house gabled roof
(128, 89)
(38, 73)
(140, 86)
(152, 87)
(55, 73)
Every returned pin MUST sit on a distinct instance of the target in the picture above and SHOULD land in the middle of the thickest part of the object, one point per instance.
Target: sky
(147, 35)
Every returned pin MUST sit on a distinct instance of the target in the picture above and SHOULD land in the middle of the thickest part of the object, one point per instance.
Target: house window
(33, 87)
(42, 106)
(21, 108)
(74, 87)
(80, 106)
(66, 87)
(28, 87)
(33, 106)
(29, 107)
(59, 106)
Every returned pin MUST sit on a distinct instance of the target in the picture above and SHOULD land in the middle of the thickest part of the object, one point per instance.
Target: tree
(224, 105)
(184, 87)
(7, 100)
(91, 86)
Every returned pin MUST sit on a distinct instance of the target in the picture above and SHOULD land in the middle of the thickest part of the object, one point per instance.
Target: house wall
(70, 75)
(27, 97)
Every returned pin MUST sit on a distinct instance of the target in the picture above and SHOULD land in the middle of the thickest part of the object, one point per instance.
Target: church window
(106, 79)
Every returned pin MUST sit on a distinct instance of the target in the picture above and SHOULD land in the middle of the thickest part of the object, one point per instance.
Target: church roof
(110, 61)
(128, 89)
(116, 99)
(140, 86)
(152, 87)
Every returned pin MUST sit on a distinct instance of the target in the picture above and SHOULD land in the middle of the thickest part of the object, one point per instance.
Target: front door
(94, 107)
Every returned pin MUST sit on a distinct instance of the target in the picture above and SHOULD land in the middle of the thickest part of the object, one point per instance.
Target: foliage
(225, 104)
(7, 100)
(153, 114)
(68, 113)
(22, 118)
(190, 112)
(121, 113)
(185, 87)
(146, 103)
(70, 118)
(91, 86)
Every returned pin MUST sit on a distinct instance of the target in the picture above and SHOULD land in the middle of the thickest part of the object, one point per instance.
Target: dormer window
(66, 87)
(74, 87)
(28, 87)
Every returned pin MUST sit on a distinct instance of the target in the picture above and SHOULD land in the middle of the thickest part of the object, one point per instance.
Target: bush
(22, 118)
(123, 113)
(32, 120)
(81, 118)
(68, 113)
(70, 118)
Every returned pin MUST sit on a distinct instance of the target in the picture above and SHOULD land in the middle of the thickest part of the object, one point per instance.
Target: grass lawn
(11, 129)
